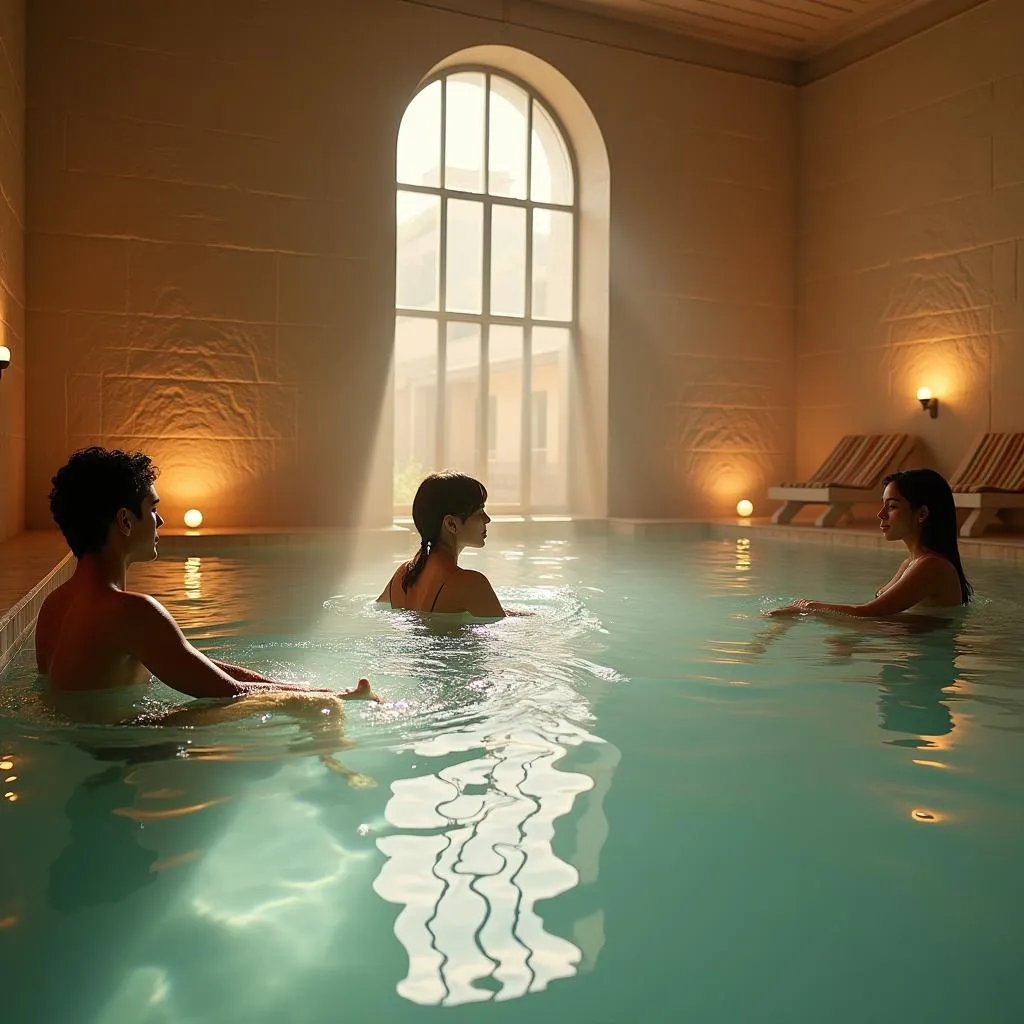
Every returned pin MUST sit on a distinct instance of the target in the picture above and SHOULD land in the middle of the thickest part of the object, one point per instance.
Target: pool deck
(35, 562)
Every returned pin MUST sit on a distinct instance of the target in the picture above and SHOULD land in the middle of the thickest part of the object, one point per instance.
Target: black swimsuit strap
(436, 596)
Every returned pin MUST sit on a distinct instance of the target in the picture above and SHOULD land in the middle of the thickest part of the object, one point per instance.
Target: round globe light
(744, 508)
(193, 518)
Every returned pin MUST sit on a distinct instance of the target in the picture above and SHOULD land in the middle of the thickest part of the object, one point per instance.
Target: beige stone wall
(12, 269)
(911, 240)
(211, 252)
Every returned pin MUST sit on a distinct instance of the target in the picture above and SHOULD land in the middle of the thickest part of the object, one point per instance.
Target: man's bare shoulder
(140, 609)
(48, 622)
(111, 606)
(56, 602)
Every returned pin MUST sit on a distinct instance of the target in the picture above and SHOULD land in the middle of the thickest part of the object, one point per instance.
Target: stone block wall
(911, 240)
(211, 251)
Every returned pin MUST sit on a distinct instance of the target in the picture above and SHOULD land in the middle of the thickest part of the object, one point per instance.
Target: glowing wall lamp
(5, 358)
(193, 519)
(929, 403)
(744, 508)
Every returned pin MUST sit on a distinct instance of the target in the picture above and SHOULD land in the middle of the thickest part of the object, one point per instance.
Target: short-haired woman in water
(448, 512)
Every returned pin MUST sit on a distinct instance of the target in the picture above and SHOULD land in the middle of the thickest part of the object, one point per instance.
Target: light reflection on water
(495, 856)
(471, 857)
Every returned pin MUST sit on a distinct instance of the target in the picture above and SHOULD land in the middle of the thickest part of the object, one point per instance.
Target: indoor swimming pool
(643, 802)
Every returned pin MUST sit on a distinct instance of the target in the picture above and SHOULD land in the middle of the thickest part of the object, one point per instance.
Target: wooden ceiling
(794, 29)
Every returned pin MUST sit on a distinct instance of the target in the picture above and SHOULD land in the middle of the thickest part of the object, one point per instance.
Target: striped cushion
(858, 461)
(996, 465)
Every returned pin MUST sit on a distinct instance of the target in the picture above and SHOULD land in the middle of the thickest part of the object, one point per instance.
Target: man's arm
(154, 638)
(243, 675)
(157, 641)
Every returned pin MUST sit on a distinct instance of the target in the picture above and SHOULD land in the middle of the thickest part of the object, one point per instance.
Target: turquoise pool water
(645, 802)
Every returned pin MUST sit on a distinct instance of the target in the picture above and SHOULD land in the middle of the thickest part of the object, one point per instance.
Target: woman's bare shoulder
(933, 562)
(470, 590)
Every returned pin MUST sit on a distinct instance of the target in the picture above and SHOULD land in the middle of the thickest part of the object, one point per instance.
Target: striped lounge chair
(990, 481)
(852, 473)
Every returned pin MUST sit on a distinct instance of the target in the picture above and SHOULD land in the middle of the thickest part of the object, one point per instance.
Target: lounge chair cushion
(858, 461)
(997, 464)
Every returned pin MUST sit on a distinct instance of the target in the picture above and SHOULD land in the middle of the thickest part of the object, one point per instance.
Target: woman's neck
(449, 551)
(916, 548)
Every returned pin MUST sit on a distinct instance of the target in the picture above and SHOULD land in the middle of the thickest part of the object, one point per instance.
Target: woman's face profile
(895, 517)
(474, 530)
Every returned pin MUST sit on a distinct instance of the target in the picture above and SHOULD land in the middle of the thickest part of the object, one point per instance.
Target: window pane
(415, 404)
(505, 398)
(508, 260)
(552, 264)
(550, 167)
(418, 244)
(462, 398)
(549, 433)
(464, 258)
(465, 95)
(419, 139)
(506, 168)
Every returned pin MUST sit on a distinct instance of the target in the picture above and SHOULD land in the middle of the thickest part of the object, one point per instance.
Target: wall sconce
(929, 404)
(193, 519)
(5, 358)
(744, 508)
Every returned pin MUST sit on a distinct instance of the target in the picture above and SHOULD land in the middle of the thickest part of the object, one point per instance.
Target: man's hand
(361, 691)
(801, 606)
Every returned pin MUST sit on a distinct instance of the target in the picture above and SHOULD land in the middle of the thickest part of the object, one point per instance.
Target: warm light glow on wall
(727, 479)
(206, 474)
(744, 508)
(193, 518)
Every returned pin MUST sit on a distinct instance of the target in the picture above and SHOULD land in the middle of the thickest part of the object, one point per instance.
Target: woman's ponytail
(415, 567)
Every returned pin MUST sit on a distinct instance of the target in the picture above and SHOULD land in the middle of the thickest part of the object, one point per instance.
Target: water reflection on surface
(502, 743)
(473, 857)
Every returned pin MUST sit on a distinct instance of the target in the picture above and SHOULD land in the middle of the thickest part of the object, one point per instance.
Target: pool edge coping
(20, 618)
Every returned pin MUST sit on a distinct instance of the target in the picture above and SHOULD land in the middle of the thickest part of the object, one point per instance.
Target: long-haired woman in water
(448, 512)
(917, 509)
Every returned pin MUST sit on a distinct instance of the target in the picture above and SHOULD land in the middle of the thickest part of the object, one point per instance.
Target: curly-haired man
(92, 632)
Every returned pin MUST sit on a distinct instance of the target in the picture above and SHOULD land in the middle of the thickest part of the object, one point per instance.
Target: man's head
(102, 496)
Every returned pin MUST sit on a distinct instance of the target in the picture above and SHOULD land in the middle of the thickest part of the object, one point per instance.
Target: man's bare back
(80, 642)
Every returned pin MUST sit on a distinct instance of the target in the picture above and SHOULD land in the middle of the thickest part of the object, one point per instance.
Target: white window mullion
(526, 488)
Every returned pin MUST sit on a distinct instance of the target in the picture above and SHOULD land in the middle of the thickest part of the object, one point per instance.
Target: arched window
(485, 291)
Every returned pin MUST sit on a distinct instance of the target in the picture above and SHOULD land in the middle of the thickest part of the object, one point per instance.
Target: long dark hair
(440, 495)
(924, 488)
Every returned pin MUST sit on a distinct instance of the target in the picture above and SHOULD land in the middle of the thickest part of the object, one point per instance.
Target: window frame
(484, 320)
